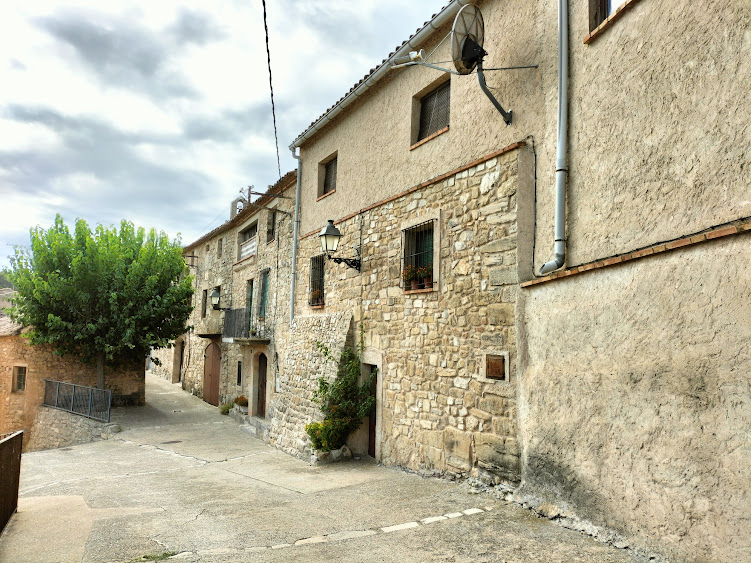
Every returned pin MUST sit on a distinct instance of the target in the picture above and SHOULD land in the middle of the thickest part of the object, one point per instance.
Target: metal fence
(78, 399)
(10, 470)
(238, 324)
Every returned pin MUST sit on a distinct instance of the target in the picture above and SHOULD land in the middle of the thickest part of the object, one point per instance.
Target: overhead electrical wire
(271, 87)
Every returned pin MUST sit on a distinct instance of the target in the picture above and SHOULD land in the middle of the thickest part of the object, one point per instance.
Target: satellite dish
(467, 38)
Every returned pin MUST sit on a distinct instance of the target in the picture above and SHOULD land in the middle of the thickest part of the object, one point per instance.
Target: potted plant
(242, 403)
(425, 274)
(316, 297)
(409, 276)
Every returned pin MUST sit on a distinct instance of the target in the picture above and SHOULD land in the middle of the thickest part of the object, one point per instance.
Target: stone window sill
(317, 306)
(429, 138)
(423, 290)
(608, 23)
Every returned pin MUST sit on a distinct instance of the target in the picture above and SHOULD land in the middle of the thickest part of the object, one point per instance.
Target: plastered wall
(634, 400)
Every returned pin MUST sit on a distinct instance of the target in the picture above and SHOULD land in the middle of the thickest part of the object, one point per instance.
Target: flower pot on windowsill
(429, 282)
(414, 284)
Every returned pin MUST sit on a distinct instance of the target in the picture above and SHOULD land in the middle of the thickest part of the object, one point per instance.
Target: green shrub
(344, 402)
(225, 408)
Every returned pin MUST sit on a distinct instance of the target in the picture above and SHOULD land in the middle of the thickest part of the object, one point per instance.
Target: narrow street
(180, 478)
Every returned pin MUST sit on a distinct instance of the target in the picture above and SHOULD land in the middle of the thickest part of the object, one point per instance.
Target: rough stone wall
(57, 429)
(232, 274)
(636, 403)
(165, 357)
(437, 413)
(17, 410)
(292, 407)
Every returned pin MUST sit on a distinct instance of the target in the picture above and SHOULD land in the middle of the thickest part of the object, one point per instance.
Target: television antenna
(467, 53)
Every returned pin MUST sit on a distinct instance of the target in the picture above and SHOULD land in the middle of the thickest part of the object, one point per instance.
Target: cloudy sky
(159, 112)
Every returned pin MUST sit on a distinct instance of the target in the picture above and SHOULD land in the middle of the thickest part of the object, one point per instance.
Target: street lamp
(215, 296)
(329, 238)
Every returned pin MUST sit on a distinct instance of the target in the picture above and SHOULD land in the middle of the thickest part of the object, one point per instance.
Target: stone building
(23, 370)
(611, 383)
(245, 265)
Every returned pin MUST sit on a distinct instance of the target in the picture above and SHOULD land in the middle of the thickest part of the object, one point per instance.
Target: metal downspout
(561, 170)
(294, 238)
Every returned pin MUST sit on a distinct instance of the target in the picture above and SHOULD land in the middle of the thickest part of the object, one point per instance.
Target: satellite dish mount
(467, 38)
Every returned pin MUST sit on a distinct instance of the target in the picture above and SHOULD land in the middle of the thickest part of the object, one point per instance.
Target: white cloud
(159, 112)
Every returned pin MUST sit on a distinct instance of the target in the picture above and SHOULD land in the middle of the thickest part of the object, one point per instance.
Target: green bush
(344, 402)
(225, 408)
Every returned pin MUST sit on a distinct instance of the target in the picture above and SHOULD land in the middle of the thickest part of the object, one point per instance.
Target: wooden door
(212, 359)
(372, 418)
(261, 410)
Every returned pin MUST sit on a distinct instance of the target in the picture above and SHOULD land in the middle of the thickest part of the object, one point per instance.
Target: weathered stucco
(635, 405)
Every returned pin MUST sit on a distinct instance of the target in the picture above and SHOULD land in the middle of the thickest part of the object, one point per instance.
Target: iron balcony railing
(78, 399)
(239, 324)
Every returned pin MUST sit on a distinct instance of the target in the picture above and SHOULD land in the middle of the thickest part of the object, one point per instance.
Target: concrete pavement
(183, 479)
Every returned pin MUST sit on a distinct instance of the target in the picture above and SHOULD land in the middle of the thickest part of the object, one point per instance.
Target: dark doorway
(212, 360)
(261, 410)
(182, 360)
(369, 369)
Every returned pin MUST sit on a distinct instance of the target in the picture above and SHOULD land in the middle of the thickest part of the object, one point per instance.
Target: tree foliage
(103, 295)
(4, 281)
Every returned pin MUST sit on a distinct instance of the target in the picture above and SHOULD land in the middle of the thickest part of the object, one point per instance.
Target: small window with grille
(316, 298)
(434, 111)
(271, 226)
(327, 175)
(19, 379)
(417, 263)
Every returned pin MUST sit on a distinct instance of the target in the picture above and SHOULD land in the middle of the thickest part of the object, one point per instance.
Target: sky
(160, 112)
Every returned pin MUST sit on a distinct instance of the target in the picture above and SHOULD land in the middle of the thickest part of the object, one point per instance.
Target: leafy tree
(104, 295)
(4, 281)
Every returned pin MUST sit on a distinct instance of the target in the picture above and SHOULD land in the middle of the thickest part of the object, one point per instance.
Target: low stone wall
(54, 428)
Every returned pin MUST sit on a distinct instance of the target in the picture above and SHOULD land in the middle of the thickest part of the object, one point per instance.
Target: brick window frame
(603, 13)
(413, 256)
(20, 378)
(327, 175)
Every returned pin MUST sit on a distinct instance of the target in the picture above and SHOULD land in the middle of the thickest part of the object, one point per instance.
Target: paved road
(183, 479)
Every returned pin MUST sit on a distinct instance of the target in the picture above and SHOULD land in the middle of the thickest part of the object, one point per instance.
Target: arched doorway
(212, 360)
(261, 404)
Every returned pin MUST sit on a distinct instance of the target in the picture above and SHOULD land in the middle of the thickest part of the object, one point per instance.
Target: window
(19, 379)
(601, 10)
(417, 264)
(219, 247)
(239, 374)
(434, 111)
(327, 175)
(204, 299)
(248, 241)
(316, 281)
(271, 226)
(249, 301)
(264, 294)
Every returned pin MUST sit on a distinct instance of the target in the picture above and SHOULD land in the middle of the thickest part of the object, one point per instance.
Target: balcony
(239, 327)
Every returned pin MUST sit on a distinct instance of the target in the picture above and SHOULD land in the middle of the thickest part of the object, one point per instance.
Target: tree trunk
(100, 370)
